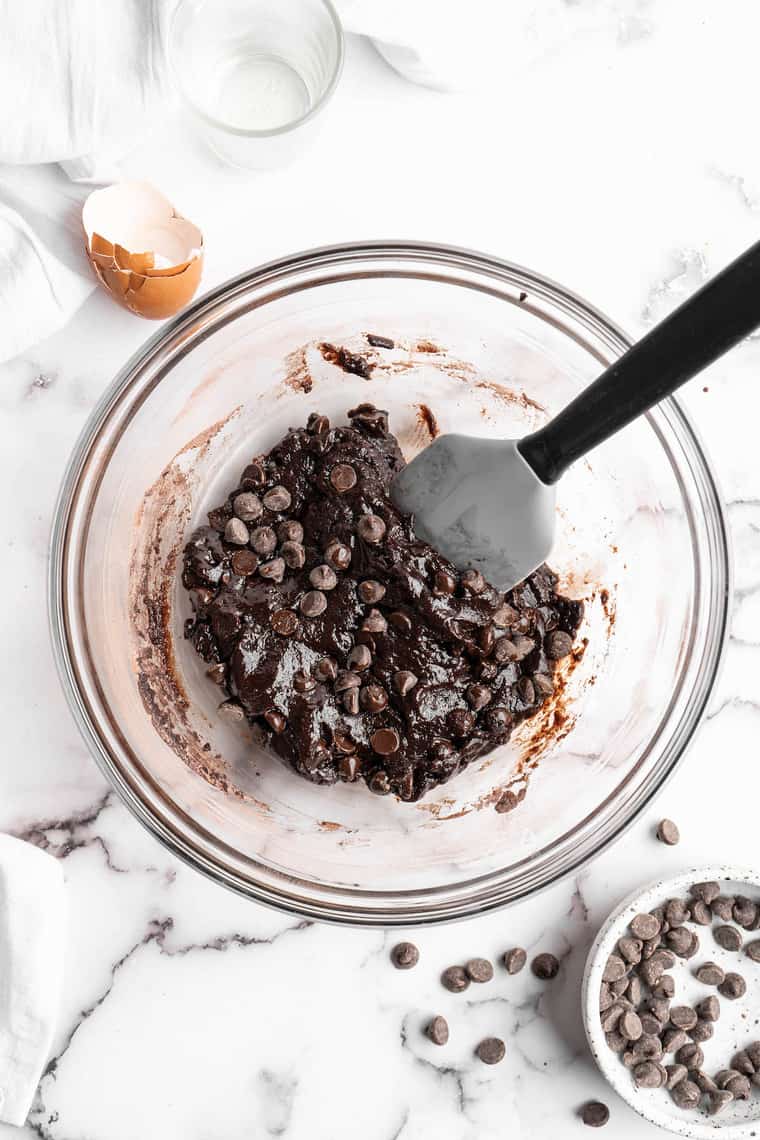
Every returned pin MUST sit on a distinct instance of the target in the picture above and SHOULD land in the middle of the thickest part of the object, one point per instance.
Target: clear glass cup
(488, 348)
(254, 74)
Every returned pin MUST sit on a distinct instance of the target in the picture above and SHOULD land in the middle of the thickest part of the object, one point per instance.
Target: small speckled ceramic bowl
(738, 1025)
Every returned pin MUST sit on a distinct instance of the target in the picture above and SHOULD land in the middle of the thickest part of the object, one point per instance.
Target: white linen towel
(32, 941)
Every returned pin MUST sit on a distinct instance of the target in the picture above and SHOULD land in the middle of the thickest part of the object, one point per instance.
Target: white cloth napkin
(32, 941)
(81, 81)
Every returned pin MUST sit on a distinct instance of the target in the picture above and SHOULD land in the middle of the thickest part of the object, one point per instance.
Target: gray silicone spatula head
(480, 504)
(490, 503)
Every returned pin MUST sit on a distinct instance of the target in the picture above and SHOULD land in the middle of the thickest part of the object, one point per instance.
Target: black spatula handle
(723, 312)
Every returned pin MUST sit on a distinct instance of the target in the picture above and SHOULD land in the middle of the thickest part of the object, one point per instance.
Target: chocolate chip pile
(636, 998)
(352, 648)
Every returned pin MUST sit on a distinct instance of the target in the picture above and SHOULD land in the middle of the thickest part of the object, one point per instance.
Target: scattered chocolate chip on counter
(545, 967)
(479, 970)
(309, 561)
(405, 955)
(595, 1114)
(515, 959)
(454, 979)
(491, 1050)
(668, 833)
(438, 1030)
(728, 937)
(709, 974)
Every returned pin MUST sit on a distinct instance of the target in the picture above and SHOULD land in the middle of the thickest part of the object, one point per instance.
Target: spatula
(489, 503)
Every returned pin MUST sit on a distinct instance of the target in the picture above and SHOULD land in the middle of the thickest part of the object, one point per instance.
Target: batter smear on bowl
(353, 648)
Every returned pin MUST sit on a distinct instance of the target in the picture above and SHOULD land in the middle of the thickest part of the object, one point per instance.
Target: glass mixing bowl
(484, 347)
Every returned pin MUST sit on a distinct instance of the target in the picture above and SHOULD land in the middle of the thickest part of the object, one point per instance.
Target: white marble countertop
(624, 164)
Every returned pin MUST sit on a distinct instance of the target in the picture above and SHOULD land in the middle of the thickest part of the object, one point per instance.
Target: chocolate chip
(557, 644)
(473, 582)
(400, 621)
(371, 591)
(630, 949)
(526, 691)
(371, 528)
(404, 681)
(236, 532)
(374, 622)
(438, 1030)
(313, 603)
(634, 991)
(290, 531)
(350, 701)
(546, 967)
(703, 1082)
(651, 971)
(753, 950)
(723, 907)
(745, 913)
(742, 1062)
(479, 970)
(460, 723)
(692, 948)
(515, 959)
(491, 1050)
(253, 475)
(683, 1017)
(686, 1094)
(504, 616)
(264, 540)
(486, 638)
(615, 1041)
(614, 969)
(700, 912)
(706, 891)
(668, 833)
(630, 1025)
(676, 912)
(739, 1086)
(690, 1055)
(505, 650)
(455, 979)
(728, 937)
(753, 1052)
(338, 555)
(645, 926)
(724, 1076)
(380, 341)
(344, 742)
(284, 622)
(679, 939)
(478, 696)
(317, 424)
(302, 682)
(702, 1031)
(676, 1074)
(619, 987)
(323, 577)
(648, 1047)
(733, 986)
(247, 506)
(359, 658)
(444, 583)
(244, 562)
(278, 499)
(673, 1039)
(405, 955)
(594, 1114)
(294, 554)
(718, 1100)
(343, 477)
(665, 988)
(709, 1008)
(274, 570)
(651, 1025)
(275, 720)
(373, 698)
(710, 974)
(543, 685)
(385, 741)
(379, 783)
(648, 1075)
(346, 679)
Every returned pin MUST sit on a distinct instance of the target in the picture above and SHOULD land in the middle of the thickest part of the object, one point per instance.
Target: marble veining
(623, 162)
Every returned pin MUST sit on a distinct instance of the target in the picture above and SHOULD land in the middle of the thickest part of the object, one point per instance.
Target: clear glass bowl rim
(171, 826)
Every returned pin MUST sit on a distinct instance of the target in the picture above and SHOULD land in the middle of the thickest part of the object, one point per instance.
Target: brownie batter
(353, 648)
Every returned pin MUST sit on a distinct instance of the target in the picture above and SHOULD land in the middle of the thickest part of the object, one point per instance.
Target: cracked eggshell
(144, 253)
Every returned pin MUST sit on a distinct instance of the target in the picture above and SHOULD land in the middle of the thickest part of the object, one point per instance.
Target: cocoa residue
(426, 419)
